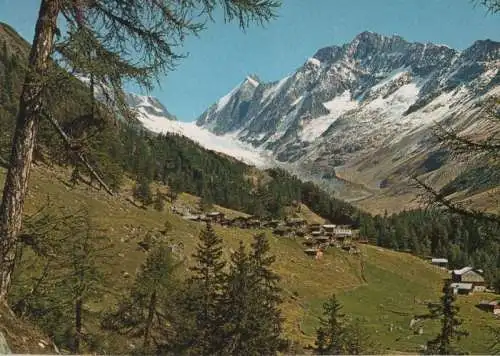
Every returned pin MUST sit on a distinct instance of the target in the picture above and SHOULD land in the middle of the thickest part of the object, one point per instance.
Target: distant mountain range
(358, 118)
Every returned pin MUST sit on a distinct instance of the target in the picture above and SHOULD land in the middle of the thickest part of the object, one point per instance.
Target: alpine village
(351, 206)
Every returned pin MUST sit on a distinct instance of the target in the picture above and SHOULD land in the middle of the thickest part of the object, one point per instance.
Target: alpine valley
(358, 119)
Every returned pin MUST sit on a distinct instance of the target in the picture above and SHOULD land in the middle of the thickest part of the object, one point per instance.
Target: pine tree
(85, 278)
(266, 286)
(158, 203)
(330, 334)
(206, 201)
(239, 298)
(447, 311)
(204, 296)
(357, 341)
(142, 192)
(174, 188)
(70, 251)
(147, 310)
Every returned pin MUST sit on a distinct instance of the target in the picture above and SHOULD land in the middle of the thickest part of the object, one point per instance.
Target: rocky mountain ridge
(365, 110)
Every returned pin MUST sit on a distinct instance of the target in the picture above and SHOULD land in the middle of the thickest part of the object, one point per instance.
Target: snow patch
(225, 99)
(337, 107)
(227, 144)
(252, 81)
(298, 100)
(271, 92)
(314, 62)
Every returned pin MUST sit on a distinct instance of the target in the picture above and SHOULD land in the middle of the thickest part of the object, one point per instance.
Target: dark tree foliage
(330, 334)
(252, 319)
(159, 203)
(63, 277)
(142, 192)
(147, 312)
(336, 336)
(447, 312)
(204, 295)
(268, 293)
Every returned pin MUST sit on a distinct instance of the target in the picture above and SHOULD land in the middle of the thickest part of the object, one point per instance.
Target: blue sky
(223, 55)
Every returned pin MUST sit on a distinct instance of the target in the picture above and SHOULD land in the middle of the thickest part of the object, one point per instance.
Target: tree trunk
(30, 105)
(78, 313)
(149, 321)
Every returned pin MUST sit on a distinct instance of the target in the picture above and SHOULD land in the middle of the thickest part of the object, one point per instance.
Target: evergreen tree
(206, 201)
(330, 338)
(266, 287)
(204, 295)
(158, 203)
(142, 192)
(358, 341)
(241, 326)
(174, 188)
(447, 312)
(147, 312)
(64, 277)
(84, 278)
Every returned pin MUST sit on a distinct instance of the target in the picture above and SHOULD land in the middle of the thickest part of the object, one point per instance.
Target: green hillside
(382, 288)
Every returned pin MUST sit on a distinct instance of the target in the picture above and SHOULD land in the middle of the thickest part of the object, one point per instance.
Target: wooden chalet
(311, 251)
(440, 262)
(281, 231)
(470, 276)
(329, 229)
(239, 221)
(295, 223)
(309, 241)
(314, 228)
(490, 306)
(271, 224)
(322, 238)
(215, 217)
(342, 232)
(300, 233)
(316, 233)
(462, 288)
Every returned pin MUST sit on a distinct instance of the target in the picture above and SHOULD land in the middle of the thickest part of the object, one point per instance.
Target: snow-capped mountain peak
(148, 105)
(347, 102)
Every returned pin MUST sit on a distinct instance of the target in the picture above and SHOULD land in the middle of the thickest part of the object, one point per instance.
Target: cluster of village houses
(317, 237)
(468, 280)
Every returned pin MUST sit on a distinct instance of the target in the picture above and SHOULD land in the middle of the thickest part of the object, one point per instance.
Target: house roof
(439, 260)
(214, 213)
(466, 286)
(492, 303)
(462, 270)
(191, 217)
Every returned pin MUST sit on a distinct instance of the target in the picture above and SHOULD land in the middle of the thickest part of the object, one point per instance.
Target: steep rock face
(376, 94)
(148, 106)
